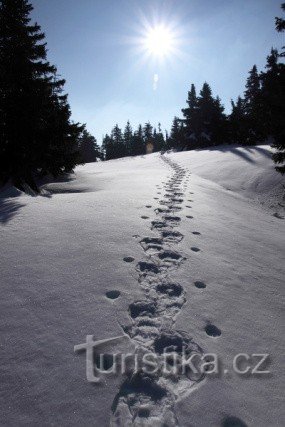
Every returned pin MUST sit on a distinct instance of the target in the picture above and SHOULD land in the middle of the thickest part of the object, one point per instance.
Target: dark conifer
(88, 148)
(37, 136)
(128, 135)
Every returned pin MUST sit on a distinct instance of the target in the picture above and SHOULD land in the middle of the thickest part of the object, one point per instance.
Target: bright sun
(159, 41)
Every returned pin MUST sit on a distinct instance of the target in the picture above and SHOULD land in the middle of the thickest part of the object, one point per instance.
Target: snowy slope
(211, 214)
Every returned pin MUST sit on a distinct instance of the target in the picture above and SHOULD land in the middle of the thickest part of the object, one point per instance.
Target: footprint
(156, 198)
(148, 267)
(169, 255)
(212, 330)
(151, 241)
(172, 236)
(233, 422)
(189, 216)
(196, 233)
(113, 294)
(171, 289)
(172, 219)
(144, 217)
(142, 308)
(148, 206)
(158, 224)
(187, 206)
(194, 249)
(199, 285)
(129, 259)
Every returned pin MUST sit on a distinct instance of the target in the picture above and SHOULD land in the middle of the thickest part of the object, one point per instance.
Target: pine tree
(88, 148)
(37, 136)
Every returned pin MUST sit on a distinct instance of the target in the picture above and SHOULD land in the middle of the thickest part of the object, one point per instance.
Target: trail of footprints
(149, 399)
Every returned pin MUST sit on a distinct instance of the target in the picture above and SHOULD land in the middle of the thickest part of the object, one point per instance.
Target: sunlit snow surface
(61, 253)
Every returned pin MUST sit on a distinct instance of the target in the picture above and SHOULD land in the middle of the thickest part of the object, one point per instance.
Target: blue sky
(95, 45)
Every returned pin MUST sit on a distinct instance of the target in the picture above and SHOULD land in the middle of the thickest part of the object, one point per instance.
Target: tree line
(255, 117)
(38, 137)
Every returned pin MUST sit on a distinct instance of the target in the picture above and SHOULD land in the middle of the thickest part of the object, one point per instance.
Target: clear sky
(99, 47)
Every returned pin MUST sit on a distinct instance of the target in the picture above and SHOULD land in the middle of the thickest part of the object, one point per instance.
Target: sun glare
(159, 41)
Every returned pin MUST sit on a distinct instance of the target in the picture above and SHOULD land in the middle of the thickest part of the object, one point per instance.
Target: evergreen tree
(118, 142)
(138, 145)
(210, 120)
(278, 131)
(237, 122)
(190, 122)
(158, 139)
(88, 148)
(273, 103)
(37, 136)
(176, 134)
(148, 133)
(128, 136)
(253, 108)
(108, 148)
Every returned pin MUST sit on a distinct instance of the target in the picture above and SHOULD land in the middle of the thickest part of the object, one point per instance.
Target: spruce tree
(128, 135)
(118, 142)
(88, 148)
(37, 136)
(138, 145)
(210, 119)
(108, 148)
(253, 108)
(158, 139)
(237, 122)
(148, 133)
(176, 134)
(190, 122)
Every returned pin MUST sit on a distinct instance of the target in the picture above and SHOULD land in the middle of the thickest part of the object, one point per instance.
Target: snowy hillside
(192, 244)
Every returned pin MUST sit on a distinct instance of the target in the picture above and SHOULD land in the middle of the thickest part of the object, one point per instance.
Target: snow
(62, 251)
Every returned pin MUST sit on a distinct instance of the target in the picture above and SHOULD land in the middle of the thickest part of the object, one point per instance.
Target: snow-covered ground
(193, 241)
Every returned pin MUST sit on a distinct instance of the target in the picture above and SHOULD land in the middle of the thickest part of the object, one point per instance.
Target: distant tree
(176, 138)
(190, 121)
(147, 133)
(88, 148)
(253, 108)
(37, 136)
(118, 141)
(128, 136)
(158, 139)
(138, 145)
(210, 119)
(108, 148)
(237, 122)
